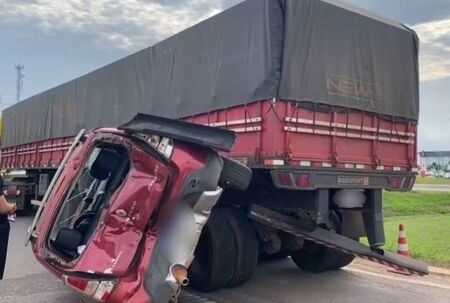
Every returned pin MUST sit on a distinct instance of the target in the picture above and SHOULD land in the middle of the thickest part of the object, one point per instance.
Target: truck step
(335, 241)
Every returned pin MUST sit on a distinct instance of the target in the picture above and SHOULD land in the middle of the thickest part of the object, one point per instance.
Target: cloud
(134, 24)
(125, 24)
(434, 49)
(407, 11)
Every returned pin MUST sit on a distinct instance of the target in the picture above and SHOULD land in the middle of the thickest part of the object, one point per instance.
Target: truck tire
(337, 259)
(215, 251)
(234, 175)
(265, 257)
(318, 258)
(246, 242)
(311, 258)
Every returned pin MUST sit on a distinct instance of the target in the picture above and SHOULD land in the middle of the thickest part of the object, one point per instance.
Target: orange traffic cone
(402, 243)
(402, 249)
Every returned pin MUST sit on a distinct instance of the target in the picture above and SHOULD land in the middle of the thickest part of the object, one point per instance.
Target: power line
(19, 81)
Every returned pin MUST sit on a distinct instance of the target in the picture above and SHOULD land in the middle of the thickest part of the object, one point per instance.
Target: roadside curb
(439, 271)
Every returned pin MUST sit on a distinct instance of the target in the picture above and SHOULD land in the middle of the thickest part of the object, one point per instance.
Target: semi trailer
(323, 97)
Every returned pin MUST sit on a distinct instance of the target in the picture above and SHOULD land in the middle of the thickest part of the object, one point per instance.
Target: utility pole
(19, 81)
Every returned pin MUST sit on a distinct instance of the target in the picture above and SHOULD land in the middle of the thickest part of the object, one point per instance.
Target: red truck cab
(124, 214)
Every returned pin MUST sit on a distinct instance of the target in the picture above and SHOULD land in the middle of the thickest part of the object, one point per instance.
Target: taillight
(409, 183)
(292, 180)
(303, 181)
(163, 145)
(401, 182)
(397, 182)
(104, 291)
(96, 289)
(284, 178)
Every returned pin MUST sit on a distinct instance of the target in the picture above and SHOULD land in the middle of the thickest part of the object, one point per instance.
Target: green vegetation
(416, 203)
(428, 237)
(432, 181)
(426, 216)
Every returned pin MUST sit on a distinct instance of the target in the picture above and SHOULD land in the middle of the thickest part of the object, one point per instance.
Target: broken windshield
(104, 170)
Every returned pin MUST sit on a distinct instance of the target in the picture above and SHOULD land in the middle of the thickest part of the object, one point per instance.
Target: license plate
(349, 181)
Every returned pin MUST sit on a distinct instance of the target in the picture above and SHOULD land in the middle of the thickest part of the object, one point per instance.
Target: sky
(57, 41)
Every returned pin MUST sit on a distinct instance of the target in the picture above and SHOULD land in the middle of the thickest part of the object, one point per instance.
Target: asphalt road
(432, 187)
(274, 282)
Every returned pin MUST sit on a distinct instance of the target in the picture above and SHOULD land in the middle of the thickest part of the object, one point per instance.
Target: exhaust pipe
(177, 276)
(179, 272)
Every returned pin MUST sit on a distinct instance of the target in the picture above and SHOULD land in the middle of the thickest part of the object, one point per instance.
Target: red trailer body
(279, 133)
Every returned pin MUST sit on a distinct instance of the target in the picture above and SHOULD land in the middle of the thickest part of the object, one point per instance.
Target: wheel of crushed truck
(314, 257)
(215, 251)
(246, 242)
(234, 175)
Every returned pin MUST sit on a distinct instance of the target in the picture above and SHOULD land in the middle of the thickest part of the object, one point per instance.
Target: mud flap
(335, 241)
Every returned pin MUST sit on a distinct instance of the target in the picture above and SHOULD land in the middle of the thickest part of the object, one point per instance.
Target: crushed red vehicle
(324, 98)
(123, 216)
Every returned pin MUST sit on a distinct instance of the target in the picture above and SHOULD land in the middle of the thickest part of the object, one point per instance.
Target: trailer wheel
(265, 257)
(314, 257)
(311, 257)
(234, 175)
(215, 251)
(246, 244)
(337, 259)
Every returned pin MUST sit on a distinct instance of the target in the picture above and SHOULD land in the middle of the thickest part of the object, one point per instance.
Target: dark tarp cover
(313, 51)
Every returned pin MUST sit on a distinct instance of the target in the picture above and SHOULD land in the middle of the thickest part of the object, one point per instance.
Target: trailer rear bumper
(314, 178)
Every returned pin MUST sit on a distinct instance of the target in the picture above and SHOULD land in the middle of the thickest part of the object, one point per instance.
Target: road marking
(398, 278)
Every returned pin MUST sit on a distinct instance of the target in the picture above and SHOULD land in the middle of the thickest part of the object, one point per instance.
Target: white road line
(398, 278)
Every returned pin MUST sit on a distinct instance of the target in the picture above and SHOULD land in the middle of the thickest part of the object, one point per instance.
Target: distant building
(441, 158)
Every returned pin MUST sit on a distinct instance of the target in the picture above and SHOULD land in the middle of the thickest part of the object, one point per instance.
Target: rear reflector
(305, 163)
(273, 162)
(98, 290)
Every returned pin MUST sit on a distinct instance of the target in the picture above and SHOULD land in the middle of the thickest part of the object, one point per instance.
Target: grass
(428, 236)
(426, 216)
(432, 181)
(416, 203)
